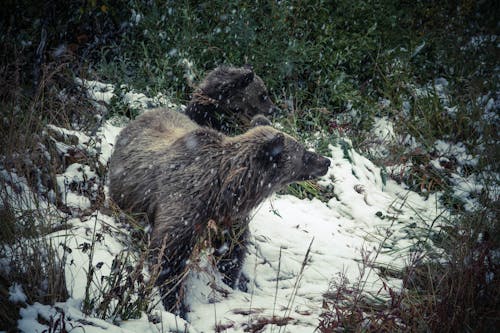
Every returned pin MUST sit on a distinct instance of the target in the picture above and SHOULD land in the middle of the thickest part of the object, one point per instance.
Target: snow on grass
(20, 196)
(366, 209)
(384, 136)
(82, 137)
(452, 164)
(107, 134)
(98, 91)
(78, 174)
(369, 214)
(458, 151)
(16, 294)
(105, 92)
(74, 320)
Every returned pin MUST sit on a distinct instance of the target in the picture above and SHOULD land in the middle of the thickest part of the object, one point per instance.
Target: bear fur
(188, 178)
(228, 98)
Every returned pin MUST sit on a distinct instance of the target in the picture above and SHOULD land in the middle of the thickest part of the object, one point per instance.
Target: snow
(18, 191)
(289, 224)
(418, 49)
(16, 294)
(76, 321)
(457, 151)
(98, 91)
(439, 88)
(107, 133)
(368, 215)
(339, 231)
(383, 134)
(477, 41)
(78, 174)
(82, 138)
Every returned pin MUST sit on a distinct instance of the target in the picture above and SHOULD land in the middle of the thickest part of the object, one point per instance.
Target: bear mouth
(322, 167)
(317, 172)
(320, 172)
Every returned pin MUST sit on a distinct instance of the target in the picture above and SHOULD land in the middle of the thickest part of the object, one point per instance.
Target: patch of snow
(76, 201)
(97, 91)
(188, 70)
(456, 150)
(102, 92)
(82, 138)
(136, 100)
(77, 174)
(135, 18)
(16, 294)
(468, 189)
(384, 103)
(439, 88)
(382, 136)
(491, 110)
(76, 321)
(406, 108)
(20, 195)
(452, 111)
(107, 134)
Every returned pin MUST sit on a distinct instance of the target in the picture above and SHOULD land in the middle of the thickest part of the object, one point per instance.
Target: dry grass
(29, 162)
(457, 293)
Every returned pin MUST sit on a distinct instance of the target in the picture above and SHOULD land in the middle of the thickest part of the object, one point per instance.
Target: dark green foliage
(319, 51)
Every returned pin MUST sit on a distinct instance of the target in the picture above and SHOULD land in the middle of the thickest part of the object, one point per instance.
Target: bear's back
(153, 129)
(139, 146)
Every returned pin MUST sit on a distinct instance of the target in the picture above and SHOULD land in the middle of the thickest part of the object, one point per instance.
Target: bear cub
(228, 98)
(188, 179)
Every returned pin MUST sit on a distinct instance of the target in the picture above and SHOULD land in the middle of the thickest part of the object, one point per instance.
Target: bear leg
(231, 262)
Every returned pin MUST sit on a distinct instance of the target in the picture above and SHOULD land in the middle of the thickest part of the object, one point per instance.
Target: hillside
(400, 235)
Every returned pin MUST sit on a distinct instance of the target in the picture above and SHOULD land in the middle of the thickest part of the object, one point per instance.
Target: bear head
(228, 98)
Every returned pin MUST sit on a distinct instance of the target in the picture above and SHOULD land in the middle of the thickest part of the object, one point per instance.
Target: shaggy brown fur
(183, 176)
(228, 98)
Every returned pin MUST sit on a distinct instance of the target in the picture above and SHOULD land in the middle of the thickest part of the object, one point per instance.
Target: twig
(277, 283)
(296, 286)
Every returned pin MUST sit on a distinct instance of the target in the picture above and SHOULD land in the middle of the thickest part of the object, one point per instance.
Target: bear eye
(307, 157)
(263, 97)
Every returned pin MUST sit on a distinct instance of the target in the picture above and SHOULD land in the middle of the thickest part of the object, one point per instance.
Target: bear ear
(273, 148)
(260, 120)
(246, 77)
(237, 81)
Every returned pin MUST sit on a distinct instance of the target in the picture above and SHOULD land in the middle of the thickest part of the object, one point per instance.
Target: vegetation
(332, 66)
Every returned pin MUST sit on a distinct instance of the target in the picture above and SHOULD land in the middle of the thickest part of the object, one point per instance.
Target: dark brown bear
(185, 178)
(228, 98)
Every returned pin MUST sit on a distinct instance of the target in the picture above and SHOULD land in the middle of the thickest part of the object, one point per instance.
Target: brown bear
(228, 98)
(188, 178)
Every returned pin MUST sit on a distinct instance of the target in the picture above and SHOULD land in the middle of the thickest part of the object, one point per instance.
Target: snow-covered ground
(369, 214)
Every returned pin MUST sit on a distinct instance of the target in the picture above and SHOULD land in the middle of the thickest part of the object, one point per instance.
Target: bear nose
(326, 162)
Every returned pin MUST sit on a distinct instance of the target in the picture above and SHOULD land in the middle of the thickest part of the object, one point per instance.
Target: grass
(29, 259)
(456, 291)
(331, 67)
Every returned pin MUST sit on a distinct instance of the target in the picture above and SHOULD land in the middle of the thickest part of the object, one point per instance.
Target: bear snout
(315, 165)
(324, 164)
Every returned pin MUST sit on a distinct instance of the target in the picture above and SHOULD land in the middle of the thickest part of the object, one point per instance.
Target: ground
(297, 247)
